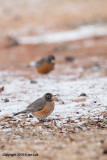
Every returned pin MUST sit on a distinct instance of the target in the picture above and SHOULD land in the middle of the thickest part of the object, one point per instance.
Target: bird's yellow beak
(53, 61)
(53, 97)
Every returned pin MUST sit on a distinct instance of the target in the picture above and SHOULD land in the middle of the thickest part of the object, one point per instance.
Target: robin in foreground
(45, 65)
(41, 108)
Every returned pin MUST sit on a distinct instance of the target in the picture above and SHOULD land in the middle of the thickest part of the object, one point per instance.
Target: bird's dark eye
(48, 97)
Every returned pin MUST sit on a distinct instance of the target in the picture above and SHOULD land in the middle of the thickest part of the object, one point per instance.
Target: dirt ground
(48, 140)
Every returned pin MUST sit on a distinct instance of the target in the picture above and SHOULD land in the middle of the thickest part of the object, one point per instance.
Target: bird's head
(51, 59)
(49, 97)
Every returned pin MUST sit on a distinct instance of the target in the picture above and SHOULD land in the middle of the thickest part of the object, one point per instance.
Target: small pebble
(6, 100)
(30, 116)
(105, 151)
(33, 81)
(1, 89)
(95, 102)
(83, 94)
(69, 58)
(77, 112)
(83, 105)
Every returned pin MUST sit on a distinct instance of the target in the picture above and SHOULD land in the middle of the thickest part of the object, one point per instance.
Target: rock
(30, 116)
(77, 112)
(83, 105)
(69, 58)
(33, 81)
(2, 89)
(95, 102)
(63, 102)
(6, 100)
(104, 149)
(83, 94)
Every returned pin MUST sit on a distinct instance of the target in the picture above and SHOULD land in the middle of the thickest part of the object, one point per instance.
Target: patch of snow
(79, 33)
(22, 93)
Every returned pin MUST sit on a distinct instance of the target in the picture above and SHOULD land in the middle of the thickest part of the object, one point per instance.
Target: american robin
(45, 65)
(41, 108)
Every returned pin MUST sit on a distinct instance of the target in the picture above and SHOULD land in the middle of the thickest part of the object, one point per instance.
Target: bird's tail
(19, 113)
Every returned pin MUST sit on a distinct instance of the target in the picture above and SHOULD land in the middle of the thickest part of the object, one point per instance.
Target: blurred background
(38, 17)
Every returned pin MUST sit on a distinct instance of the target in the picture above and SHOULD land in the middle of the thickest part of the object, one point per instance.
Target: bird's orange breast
(45, 68)
(46, 111)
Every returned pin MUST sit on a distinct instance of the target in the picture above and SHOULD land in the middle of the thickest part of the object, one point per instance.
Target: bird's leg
(41, 120)
(48, 120)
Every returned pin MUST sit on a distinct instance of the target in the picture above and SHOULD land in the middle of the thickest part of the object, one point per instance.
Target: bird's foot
(44, 120)
(41, 120)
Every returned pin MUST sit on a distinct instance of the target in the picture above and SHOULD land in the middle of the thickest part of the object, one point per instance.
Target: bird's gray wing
(36, 105)
(39, 63)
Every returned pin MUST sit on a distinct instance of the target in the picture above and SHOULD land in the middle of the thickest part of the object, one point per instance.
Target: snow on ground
(21, 92)
(79, 33)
